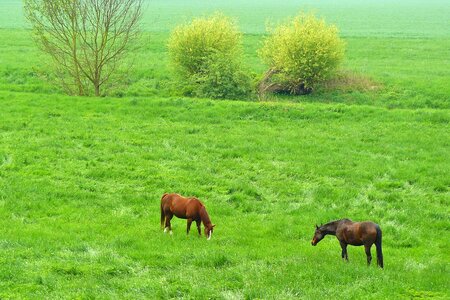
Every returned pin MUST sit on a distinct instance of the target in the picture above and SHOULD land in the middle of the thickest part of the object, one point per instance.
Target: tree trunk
(267, 86)
(97, 89)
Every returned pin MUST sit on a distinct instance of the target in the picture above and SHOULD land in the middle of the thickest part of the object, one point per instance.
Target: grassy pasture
(81, 178)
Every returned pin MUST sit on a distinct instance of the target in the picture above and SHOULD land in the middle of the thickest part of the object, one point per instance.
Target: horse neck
(330, 228)
(204, 216)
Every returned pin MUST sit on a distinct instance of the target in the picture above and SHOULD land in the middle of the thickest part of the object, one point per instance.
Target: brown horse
(185, 208)
(352, 233)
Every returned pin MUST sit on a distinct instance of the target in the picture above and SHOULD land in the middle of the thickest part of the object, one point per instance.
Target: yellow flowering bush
(207, 57)
(301, 53)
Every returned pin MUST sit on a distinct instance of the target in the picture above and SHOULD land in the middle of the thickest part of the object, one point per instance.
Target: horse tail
(378, 245)
(163, 216)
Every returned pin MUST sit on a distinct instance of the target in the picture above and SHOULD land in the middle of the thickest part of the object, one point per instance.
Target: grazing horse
(185, 208)
(352, 233)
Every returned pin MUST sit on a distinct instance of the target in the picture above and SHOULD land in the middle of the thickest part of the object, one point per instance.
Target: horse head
(318, 235)
(209, 230)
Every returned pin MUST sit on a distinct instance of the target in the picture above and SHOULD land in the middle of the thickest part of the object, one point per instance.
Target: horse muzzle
(313, 242)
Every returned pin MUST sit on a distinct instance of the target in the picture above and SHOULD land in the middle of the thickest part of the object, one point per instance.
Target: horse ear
(214, 225)
(317, 227)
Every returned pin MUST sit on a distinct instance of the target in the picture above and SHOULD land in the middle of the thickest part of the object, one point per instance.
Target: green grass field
(81, 178)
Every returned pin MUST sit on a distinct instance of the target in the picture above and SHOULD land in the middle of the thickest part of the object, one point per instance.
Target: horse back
(368, 228)
(364, 232)
(357, 233)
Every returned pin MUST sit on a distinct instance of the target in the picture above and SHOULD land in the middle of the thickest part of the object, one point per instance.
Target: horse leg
(189, 222)
(369, 255)
(163, 217)
(344, 251)
(198, 222)
(168, 225)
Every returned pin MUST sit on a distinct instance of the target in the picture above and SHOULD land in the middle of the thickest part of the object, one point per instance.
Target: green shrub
(206, 55)
(301, 53)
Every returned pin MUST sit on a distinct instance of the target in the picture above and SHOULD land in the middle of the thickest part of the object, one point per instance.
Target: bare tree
(86, 39)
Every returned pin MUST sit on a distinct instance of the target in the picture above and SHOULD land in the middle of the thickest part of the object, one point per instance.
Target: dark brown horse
(352, 233)
(185, 208)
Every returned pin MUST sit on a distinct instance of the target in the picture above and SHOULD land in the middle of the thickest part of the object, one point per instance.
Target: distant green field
(81, 178)
(410, 18)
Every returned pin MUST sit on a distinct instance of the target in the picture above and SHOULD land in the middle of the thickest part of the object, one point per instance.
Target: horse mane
(204, 215)
(202, 211)
(335, 221)
(331, 226)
